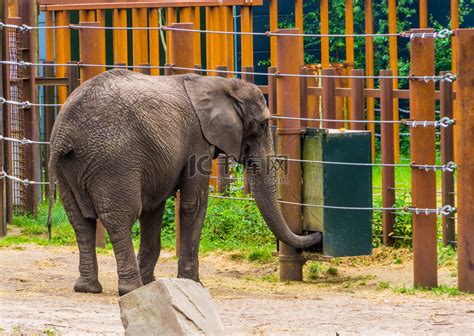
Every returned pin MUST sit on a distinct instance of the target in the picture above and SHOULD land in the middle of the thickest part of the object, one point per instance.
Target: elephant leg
(150, 242)
(193, 208)
(84, 229)
(119, 227)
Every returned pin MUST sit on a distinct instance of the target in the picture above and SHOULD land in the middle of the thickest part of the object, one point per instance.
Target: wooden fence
(291, 90)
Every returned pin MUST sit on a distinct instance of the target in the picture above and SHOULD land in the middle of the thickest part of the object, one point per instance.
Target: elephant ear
(219, 112)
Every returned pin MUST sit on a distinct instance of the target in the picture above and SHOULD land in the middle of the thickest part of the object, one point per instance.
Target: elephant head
(234, 117)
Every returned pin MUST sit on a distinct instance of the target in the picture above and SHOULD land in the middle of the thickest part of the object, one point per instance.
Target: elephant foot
(127, 287)
(87, 286)
(148, 278)
(190, 275)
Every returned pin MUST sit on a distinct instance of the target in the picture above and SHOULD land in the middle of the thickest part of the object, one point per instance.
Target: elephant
(124, 142)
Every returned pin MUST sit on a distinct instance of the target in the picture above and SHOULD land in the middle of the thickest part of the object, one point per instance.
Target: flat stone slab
(170, 307)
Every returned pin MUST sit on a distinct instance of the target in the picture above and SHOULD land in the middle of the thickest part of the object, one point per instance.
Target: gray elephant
(124, 142)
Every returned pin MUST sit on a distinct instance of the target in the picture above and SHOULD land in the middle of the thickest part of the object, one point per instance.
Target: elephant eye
(262, 124)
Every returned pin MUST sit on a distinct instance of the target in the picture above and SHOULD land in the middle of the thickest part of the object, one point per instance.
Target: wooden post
(181, 55)
(357, 95)
(423, 151)
(289, 144)
(454, 26)
(272, 93)
(90, 40)
(120, 36)
(447, 155)
(140, 37)
(223, 159)
(423, 13)
(304, 96)
(465, 94)
(325, 30)
(369, 67)
(247, 40)
(197, 36)
(350, 58)
(329, 98)
(273, 28)
(49, 117)
(299, 24)
(49, 36)
(63, 51)
(30, 114)
(388, 155)
(250, 79)
(3, 110)
(393, 49)
(73, 76)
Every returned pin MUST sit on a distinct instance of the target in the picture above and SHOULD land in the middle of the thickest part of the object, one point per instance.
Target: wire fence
(444, 33)
(448, 77)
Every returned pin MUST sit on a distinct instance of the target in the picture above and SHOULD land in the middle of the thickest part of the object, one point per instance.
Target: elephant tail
(57, 151)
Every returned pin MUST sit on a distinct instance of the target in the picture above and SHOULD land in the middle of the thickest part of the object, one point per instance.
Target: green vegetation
(441, 290)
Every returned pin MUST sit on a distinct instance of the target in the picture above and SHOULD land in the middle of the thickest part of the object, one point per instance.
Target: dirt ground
(36, 297)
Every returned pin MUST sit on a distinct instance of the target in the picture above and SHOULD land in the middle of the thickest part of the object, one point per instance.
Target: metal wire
(23, 141)
(444, 122)
(25, 182)
(26, 104)
(446, 77)
(448, 167)
(444, 33)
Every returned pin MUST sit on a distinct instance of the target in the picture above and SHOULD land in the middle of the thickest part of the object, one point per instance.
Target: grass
(441, 290)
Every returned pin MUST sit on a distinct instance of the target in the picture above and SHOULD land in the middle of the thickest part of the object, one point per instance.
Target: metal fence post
(289, 144)
(447, 155)
(423, 151)
(388, 155)
(181, 55)
(90, 40)
(465, 95)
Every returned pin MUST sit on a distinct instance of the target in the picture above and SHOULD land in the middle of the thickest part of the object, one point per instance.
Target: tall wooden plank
(273, 28)
(465, 94)
(388, 156)
(357, 99)
(63, 51)
(289, 144)
(90, 44)
(325, 30)
(154, 36)
(120, 39)
(299, 24)
(369, 67)
(3, 205)
(393, 47)
(30, 120)
(196, 19)
(454, 47)
(246, 19)
(349, 16)
(423, 151)
(49, 36)
(329, 98)
(423, 13)
(447, 155)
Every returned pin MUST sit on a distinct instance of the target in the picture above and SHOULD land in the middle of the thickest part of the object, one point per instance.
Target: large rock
(170, 307)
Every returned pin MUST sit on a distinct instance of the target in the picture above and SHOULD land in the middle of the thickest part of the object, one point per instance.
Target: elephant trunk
(265, 193)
